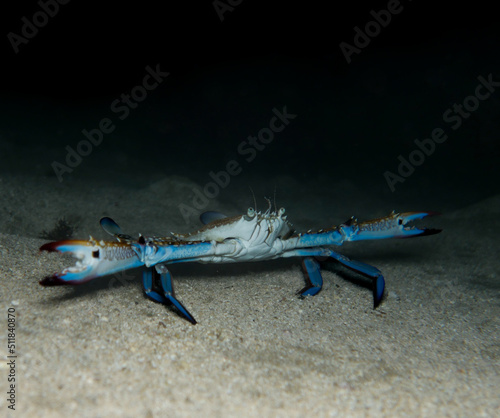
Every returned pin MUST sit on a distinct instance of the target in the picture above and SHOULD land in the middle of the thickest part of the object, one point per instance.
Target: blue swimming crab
(253, 236)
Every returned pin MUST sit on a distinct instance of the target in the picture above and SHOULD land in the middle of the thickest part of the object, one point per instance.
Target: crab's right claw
(94, 259)
(413, 231)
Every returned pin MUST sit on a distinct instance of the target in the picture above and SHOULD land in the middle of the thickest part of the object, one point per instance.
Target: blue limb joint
(158, 286)
(314, 281)
(313, 274)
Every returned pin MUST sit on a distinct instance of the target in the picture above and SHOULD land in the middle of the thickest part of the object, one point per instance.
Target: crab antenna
(275, 207)
(254, 200)
(269, 205)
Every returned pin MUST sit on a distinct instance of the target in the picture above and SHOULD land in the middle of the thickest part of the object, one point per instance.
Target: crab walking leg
(158, 256)
(150, 278)
(367, 270)
(147, 284)
(314, 281)
(314, 275)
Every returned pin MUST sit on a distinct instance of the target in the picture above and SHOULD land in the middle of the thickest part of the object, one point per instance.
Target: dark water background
(353, 120)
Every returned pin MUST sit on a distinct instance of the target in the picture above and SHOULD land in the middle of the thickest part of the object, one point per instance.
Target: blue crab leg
(313, 277)
(147, 284)
(150, 279)
(314, 274)
(367, 270)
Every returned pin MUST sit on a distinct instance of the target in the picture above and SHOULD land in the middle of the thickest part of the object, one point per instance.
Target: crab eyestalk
(94, 259)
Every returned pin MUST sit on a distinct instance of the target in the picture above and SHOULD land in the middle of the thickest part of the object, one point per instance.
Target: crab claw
(393, 226)
(412, 231)
(94, 259)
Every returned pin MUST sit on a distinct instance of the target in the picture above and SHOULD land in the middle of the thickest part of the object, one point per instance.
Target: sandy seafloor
(102, 349)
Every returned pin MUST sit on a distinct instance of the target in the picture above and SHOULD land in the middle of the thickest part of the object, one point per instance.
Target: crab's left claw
(81, 272)
(393, 226)
(94, 259)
